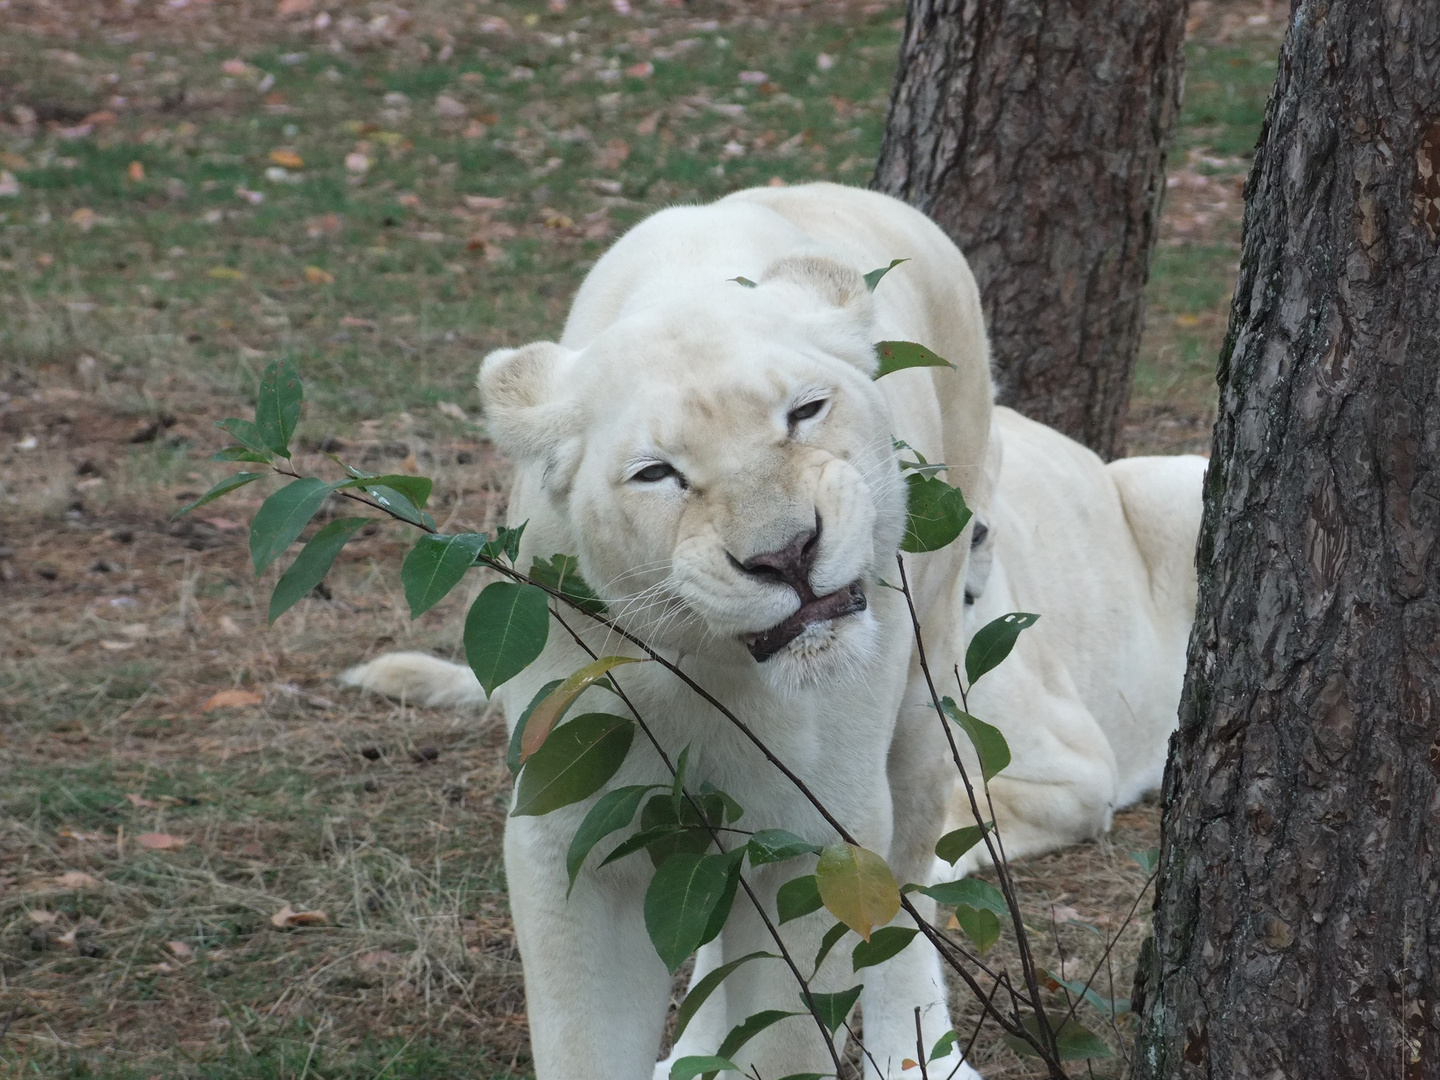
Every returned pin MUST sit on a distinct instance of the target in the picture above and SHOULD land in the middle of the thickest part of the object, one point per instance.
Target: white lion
(1105, 554)
(720, 461)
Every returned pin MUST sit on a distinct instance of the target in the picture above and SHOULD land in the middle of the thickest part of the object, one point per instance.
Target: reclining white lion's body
(715, 453)
(1105, 554)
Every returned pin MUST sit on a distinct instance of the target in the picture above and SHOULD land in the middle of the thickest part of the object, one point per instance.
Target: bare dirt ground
(176, 775)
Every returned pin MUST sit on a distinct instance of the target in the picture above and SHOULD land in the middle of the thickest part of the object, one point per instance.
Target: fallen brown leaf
(232, 699)
(76, 879)
(137, 171)
(159, 841)
(287, 917)
(139, 801)
(180, 949)
(316, 276)
(44, 918)
(287, 158)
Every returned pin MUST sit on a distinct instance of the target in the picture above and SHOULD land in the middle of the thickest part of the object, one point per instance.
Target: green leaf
(246, 434)
(548, 713)
(687, 1068)
(798, 897)
(687, 833)
(574, 763)
(697, 994)
(506, 542)
(989, 743)
(562, 574)
(751, 1026)
(898, 355)
(512, 758)
(733, 861)
(992, 643)
(972, 891)
(614, 810)
(277, 410)
(416, 489)
(733, 810)
(241, 453)
(832, 1008)
(282, 517)
(773, 845)
(883, 944)
(745, 281)
(312, 564)
(1147, 860)
(1073, 1042)
(1114, 1008)
(224, 487)
(828, 942)
(677, 785)
(957, 842)
(505, 631)
(937, 514)
(980, 925)
(645, 837)
(873, 277)
(680, 900)
(397, 503)
(943, 1045)
(857, 887)
(434, 566)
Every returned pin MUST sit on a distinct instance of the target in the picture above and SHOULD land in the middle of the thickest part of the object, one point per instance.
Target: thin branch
(1027, 962)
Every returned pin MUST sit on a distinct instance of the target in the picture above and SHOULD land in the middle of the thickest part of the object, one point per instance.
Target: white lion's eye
(808, 411)
(654, 474)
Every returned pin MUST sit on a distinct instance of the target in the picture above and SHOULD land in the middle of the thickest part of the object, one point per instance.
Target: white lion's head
(725, 465)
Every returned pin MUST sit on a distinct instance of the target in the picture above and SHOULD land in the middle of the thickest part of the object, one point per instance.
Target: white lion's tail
(417, 678)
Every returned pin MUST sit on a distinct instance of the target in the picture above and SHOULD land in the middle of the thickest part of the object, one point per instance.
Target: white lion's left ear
(834, 299)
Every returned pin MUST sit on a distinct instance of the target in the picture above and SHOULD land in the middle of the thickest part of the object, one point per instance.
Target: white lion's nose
(790, 564)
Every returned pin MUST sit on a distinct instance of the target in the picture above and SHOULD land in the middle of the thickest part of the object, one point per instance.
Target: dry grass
(118, 350)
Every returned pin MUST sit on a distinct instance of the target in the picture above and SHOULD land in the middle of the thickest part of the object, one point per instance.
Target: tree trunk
(1034, 132)
(1297, 926)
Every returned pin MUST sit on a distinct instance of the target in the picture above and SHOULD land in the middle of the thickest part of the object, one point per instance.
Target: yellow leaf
(1187, 320)
(909, 1063)
(226, 273)
(232, 699)
(537, 728)
(857, 887)
(287, 159)
(315, 276)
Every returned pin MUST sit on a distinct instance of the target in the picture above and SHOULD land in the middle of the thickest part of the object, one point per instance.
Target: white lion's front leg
(706, 1029)
(921, 777)
(596, 990)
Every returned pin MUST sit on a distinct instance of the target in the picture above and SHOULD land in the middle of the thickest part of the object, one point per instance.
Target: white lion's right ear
(524, 412)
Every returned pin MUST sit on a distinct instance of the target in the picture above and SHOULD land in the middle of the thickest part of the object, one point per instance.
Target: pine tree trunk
(1034, 132)
(1297, 927)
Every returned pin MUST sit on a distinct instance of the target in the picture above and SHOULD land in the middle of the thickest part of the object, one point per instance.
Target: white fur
(664, 359)
(1105, 554)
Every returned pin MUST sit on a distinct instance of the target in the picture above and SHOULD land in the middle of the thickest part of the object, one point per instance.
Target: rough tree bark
(1297, 927)
(1034, 132)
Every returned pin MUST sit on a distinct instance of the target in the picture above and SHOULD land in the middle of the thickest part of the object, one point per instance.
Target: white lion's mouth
(815, 610)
